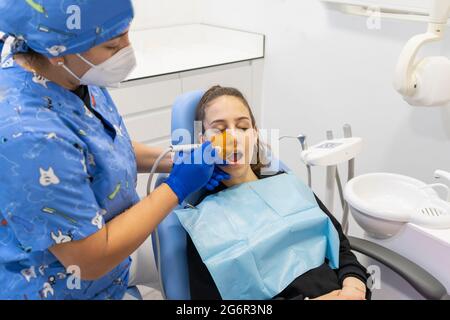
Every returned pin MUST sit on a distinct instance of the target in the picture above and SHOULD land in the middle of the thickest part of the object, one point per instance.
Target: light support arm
(404, 74)
(440, 12)
(405, 79)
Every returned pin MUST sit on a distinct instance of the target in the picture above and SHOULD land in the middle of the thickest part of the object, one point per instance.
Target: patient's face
(228, 123)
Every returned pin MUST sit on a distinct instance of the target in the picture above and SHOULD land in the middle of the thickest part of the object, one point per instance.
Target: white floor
(150, 293)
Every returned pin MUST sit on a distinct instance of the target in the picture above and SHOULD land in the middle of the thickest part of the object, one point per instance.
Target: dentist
(68, 205)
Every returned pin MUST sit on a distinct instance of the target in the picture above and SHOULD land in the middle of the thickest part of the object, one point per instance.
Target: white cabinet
(146, 103)
(402, 5)
(147, 95)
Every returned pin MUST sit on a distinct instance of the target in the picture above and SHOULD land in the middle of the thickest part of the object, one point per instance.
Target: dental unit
(169, 239)
(401, 213)
(302, 140)
(330, 153)
(382, 203)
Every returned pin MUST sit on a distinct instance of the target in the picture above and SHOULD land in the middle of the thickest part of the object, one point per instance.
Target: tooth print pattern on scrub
(65, 172)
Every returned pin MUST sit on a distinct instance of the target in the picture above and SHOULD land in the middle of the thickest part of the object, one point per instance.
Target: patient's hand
(335, 295)
(353, 288)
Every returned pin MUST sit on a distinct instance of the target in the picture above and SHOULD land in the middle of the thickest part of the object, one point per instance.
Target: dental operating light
(426, 82)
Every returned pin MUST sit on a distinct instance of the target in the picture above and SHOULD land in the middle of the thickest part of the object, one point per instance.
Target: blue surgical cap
(60, 27)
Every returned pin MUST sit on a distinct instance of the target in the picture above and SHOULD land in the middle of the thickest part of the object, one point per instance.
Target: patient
(225, 109)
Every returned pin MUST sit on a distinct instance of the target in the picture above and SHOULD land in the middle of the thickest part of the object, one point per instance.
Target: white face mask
(109, 73)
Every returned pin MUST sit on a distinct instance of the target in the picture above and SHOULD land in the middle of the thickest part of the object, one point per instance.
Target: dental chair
(170, 239)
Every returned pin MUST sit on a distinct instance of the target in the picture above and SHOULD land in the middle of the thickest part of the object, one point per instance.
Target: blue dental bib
(258, 237)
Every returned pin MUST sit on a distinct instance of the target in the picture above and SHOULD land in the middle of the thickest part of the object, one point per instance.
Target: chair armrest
(421, 280)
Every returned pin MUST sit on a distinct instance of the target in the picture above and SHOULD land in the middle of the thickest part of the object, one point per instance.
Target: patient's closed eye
(224, 129)
(215, 131)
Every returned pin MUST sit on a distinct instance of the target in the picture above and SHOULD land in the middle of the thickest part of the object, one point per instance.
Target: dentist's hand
(195, 170)
(217, 177)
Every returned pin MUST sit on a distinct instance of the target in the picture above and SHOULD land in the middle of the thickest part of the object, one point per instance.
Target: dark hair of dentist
(68, 166)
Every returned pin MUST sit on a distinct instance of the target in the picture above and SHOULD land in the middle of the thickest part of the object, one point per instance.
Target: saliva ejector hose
(171, 149)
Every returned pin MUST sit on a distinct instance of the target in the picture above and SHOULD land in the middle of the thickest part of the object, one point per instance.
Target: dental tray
(332, 152)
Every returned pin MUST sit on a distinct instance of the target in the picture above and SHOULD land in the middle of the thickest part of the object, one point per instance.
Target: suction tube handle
(185, 147)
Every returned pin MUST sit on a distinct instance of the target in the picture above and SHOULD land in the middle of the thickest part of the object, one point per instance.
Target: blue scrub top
(64, 174)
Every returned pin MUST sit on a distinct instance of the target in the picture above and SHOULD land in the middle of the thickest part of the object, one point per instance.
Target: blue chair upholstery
(171, 235)
(183, 115)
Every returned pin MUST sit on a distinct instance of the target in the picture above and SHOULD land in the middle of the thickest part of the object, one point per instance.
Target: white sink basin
(382, 203)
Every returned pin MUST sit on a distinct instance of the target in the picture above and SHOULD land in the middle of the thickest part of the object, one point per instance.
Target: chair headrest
(183, 128)
(183, 117)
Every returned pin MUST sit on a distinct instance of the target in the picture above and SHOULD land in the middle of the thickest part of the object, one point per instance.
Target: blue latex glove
(217, 177)
(194, 170)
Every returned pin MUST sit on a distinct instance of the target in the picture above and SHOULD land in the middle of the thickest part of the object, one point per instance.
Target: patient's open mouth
(235, 157)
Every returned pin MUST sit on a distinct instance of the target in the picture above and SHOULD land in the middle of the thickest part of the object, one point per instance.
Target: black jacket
(311, 284)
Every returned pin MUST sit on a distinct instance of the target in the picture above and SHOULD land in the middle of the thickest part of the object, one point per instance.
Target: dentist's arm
(146, 157)
(103, 251)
